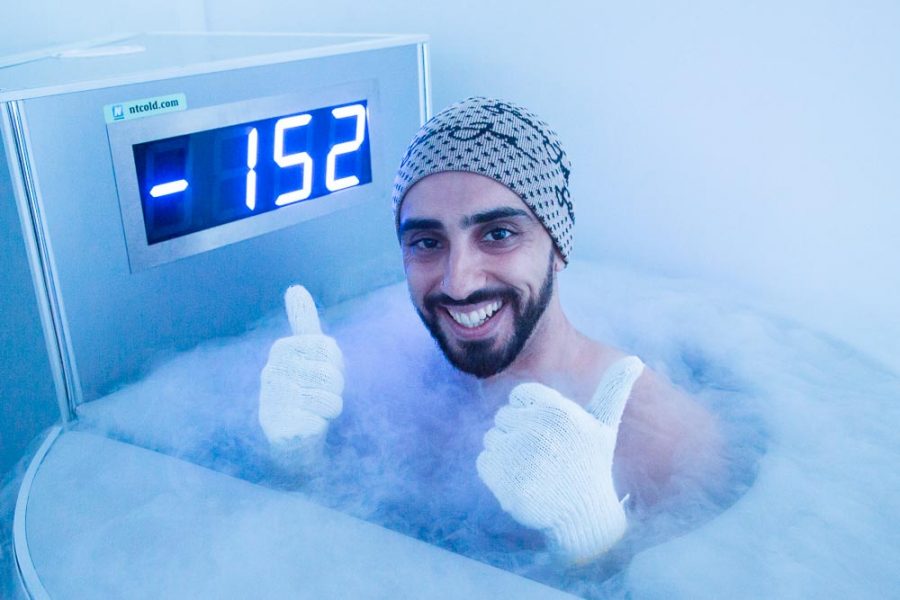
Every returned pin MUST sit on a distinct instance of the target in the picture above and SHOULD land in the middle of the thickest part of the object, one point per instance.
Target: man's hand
(549, 463)
(301, 384)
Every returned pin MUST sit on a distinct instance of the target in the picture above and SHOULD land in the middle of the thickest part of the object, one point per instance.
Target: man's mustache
(507, 294)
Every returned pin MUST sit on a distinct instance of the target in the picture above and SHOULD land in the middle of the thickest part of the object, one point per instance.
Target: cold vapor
(808, 428)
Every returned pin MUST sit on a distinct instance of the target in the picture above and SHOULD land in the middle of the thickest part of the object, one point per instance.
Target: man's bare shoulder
(667, 439)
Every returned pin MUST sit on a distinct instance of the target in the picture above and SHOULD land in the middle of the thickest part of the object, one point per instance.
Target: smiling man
(480, 268)
(485, 222)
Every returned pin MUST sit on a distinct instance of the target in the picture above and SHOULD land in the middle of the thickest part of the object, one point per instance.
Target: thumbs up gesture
(301, 384)
(548, 461)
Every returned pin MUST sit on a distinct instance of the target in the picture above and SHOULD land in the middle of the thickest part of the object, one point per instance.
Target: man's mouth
(475, 318)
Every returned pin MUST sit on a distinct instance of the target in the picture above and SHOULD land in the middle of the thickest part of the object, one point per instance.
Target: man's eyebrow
(416, 224)
(505, 212)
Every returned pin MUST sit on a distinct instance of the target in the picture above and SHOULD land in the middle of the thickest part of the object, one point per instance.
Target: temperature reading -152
(193, 182)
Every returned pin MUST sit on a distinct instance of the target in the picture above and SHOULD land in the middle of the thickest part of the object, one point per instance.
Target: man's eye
(499, 234)
(424, 244)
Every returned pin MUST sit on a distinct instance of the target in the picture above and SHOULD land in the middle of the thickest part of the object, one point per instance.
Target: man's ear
(559, 263)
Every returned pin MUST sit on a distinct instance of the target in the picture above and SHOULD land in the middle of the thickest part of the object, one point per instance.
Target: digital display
(193, 182)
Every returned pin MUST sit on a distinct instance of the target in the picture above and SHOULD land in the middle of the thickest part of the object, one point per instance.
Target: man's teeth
(476, 317)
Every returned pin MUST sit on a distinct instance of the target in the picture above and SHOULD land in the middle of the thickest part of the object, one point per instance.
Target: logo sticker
(147, 107)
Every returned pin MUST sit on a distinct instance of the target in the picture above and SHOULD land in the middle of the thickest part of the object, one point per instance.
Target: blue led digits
(358, 112)
(209, 178)
(301, 159)
(252, 157)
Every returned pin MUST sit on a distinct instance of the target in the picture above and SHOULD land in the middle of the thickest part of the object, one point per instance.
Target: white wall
(756, 143)
(27, 25)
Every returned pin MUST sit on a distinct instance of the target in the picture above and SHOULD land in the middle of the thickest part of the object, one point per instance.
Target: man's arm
(667, 440)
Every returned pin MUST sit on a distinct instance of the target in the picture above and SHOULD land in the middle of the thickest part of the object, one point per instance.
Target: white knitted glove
(549, 463)
(301, 385)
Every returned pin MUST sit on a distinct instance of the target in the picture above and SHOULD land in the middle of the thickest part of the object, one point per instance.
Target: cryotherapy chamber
(158, 191)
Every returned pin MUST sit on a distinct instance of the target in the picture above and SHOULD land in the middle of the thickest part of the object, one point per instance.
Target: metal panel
(123, 135)
(28, 577)
(119, 322)
(32, 393)
(168, 55)
(141, 500)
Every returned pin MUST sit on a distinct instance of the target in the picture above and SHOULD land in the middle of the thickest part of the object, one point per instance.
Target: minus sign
(171, 187)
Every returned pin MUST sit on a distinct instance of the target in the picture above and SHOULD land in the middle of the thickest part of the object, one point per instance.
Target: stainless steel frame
(29, 580)
(123, 135)
(37, 246)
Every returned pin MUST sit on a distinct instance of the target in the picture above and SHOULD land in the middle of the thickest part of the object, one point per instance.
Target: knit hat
(502, 141)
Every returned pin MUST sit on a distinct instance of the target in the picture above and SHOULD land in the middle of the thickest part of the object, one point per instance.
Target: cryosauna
(163, 190)
(158, 195)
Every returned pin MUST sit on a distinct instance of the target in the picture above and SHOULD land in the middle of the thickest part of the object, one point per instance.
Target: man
(485, 223)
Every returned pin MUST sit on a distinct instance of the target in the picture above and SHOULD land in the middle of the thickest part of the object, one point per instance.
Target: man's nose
(463, 274)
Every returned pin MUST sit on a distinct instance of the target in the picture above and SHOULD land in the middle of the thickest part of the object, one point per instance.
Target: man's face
(479, 265)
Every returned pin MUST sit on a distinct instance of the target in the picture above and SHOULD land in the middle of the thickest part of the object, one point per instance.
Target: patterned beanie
(502, 141)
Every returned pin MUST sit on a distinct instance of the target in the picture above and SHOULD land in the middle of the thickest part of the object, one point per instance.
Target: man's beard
(479, 357)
